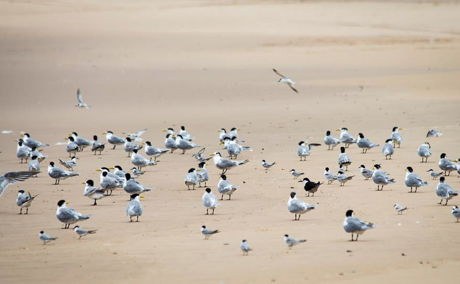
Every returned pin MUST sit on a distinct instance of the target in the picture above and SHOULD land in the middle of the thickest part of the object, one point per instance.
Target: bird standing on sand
(330, 141)
(191, 179)
(225, 164)
(310, 186)
(285, 80)
(244, 246)
(342, 177)
(45, 237)
(134, 208)
(353, 225)
(82, 232)
(225, 187)
(399, 208)
(68, 216)
(93, 192)
(267, 165)
(290, 242)
(112, 139)
(209, 201)
(57, 173)
(330, 177)
(343, 159)
(446, 165)
(388, 149)
(303, 149)
(365, 143)
(380, 178)
(298, 207)
(97, 146)
(396, 136)
(207, 232)
(24, 200)
(413, 180)
(366, 173)
(424, 151)
(445, 191)
(346, 138)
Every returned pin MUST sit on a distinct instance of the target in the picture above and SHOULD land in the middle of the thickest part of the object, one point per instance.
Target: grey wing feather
(13, 177)
(278, 73)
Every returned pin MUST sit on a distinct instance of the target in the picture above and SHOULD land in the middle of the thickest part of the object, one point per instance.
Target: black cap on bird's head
(349, 213)
(21, 191)
(263, 161)
(223, 129)
(388, 140)
(41, 232)
(443, 155)
(301, 142)
(95, 137)
(20, 142)
(208, 190)
(362, 166)
(128, 139)
(292, 194)
(204, 227)
(104, 173)
(233, 129)
(52, 164)
(27, 134)
(201, 165)
(395, 128)
(243, 241)
(134, 196)
(105, 169)
(361, 135)
(71, 139)
(118, 167)
(442, 179)
(61, 202)
(135, 151)
(327, 169)
(344, 128)
(233, 138)
(148, 143)
(34, 157)
(128, 176)
(340, 171)
(226, 138)
(180, 136)
(182, 127)
(377, 166)
(75, 133)
(293, 170)
(110, 131)
(286, 235)
(218, 154)
(191, 170)
(90, 182)
(224, 177)
(410, 169)
(328, 132)
(305, 179)
(342, 149)
(75, 227)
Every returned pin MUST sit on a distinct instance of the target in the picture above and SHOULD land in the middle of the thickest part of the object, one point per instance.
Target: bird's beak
(198, 170)
(337, 129)
(67, 203)
(111, 168)
(300, 180)
(164, 130)
(141, 196)
(98, 170)
(401, 129)
(103, 133)
(83, 183)
(221, 143)
(212, 155)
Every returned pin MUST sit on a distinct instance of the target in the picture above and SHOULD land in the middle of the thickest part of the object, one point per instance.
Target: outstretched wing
(292, 88)
(79, 97)
(13, 177)
(278, 73)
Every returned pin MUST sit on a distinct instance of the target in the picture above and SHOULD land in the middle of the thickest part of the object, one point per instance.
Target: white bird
(343, 159)
(413, 180)
(153, 151)
(233, 148)
(365, 143)
(22, 151)
(134, 208)
(82, 232)
(367, 173)
(434, 175)
(114, 140)
(330, 177)
(208, 232)
(34, 165)
(399, 208)
(80, 102)
(267, 165)
(225, 187)
(446, 165)
(223, 134)
(225, 164)
(298, 207)
(209, 201)
(57, 173)
(380, 178)
(45, 237)
(388, 149)
(445, 191)
(353, 225)
(396, 136)
(342, 177)
(433, 133)
(244, 246)
(191, 179)
(330, 141)
(345, 137)
(456, 212)
(109, 181)
(424, 151)
(170, 142)
(290, 242)
(286, 80)
(184, 134)
(184, 144)
(68, 216)
(303, 149)
(130, 146)
(71, 147)
(24, 200)
(295, 173)
(13, 177)
(140, 161)
(202, 174)
(32, 143)
(93, 192)
(97, 146)
(69, 164)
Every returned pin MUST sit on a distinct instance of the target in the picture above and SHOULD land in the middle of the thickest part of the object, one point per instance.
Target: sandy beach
(365, 65)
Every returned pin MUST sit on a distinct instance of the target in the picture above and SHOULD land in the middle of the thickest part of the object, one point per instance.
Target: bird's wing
(278, 73)
(199, 153)
(80, 97)
(292, 87)
(13, 177)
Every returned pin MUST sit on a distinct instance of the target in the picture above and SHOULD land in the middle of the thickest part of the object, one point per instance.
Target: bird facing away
(353, 225)
(24, 200)
(244, 246)
(456, 212)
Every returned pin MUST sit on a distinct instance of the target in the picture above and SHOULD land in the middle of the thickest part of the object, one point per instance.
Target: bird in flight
(81, 103)
(286, 80)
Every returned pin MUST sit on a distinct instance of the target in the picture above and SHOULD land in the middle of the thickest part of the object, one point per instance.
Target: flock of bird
(30, 151)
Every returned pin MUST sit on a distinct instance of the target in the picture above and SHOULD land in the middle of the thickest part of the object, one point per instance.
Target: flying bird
(285, 80)
(13, 177)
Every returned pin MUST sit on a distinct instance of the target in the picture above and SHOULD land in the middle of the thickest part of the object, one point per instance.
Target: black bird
(310, 187)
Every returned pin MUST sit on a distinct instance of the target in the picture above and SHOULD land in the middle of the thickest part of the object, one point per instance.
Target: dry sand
(207, 65)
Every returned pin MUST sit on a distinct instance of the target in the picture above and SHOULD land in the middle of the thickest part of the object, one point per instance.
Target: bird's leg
(130, 219)
(27, 210)
(213, 211)
(20, 211)
(229, 197)
(95, 203)
(440, 202)
(357, 237)
(183, 152)
(193, 187)
(446, 202)
(222, 198)
(114, 147)
(352, 237)
(416, 189)
(137, 218)
(207, 211)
